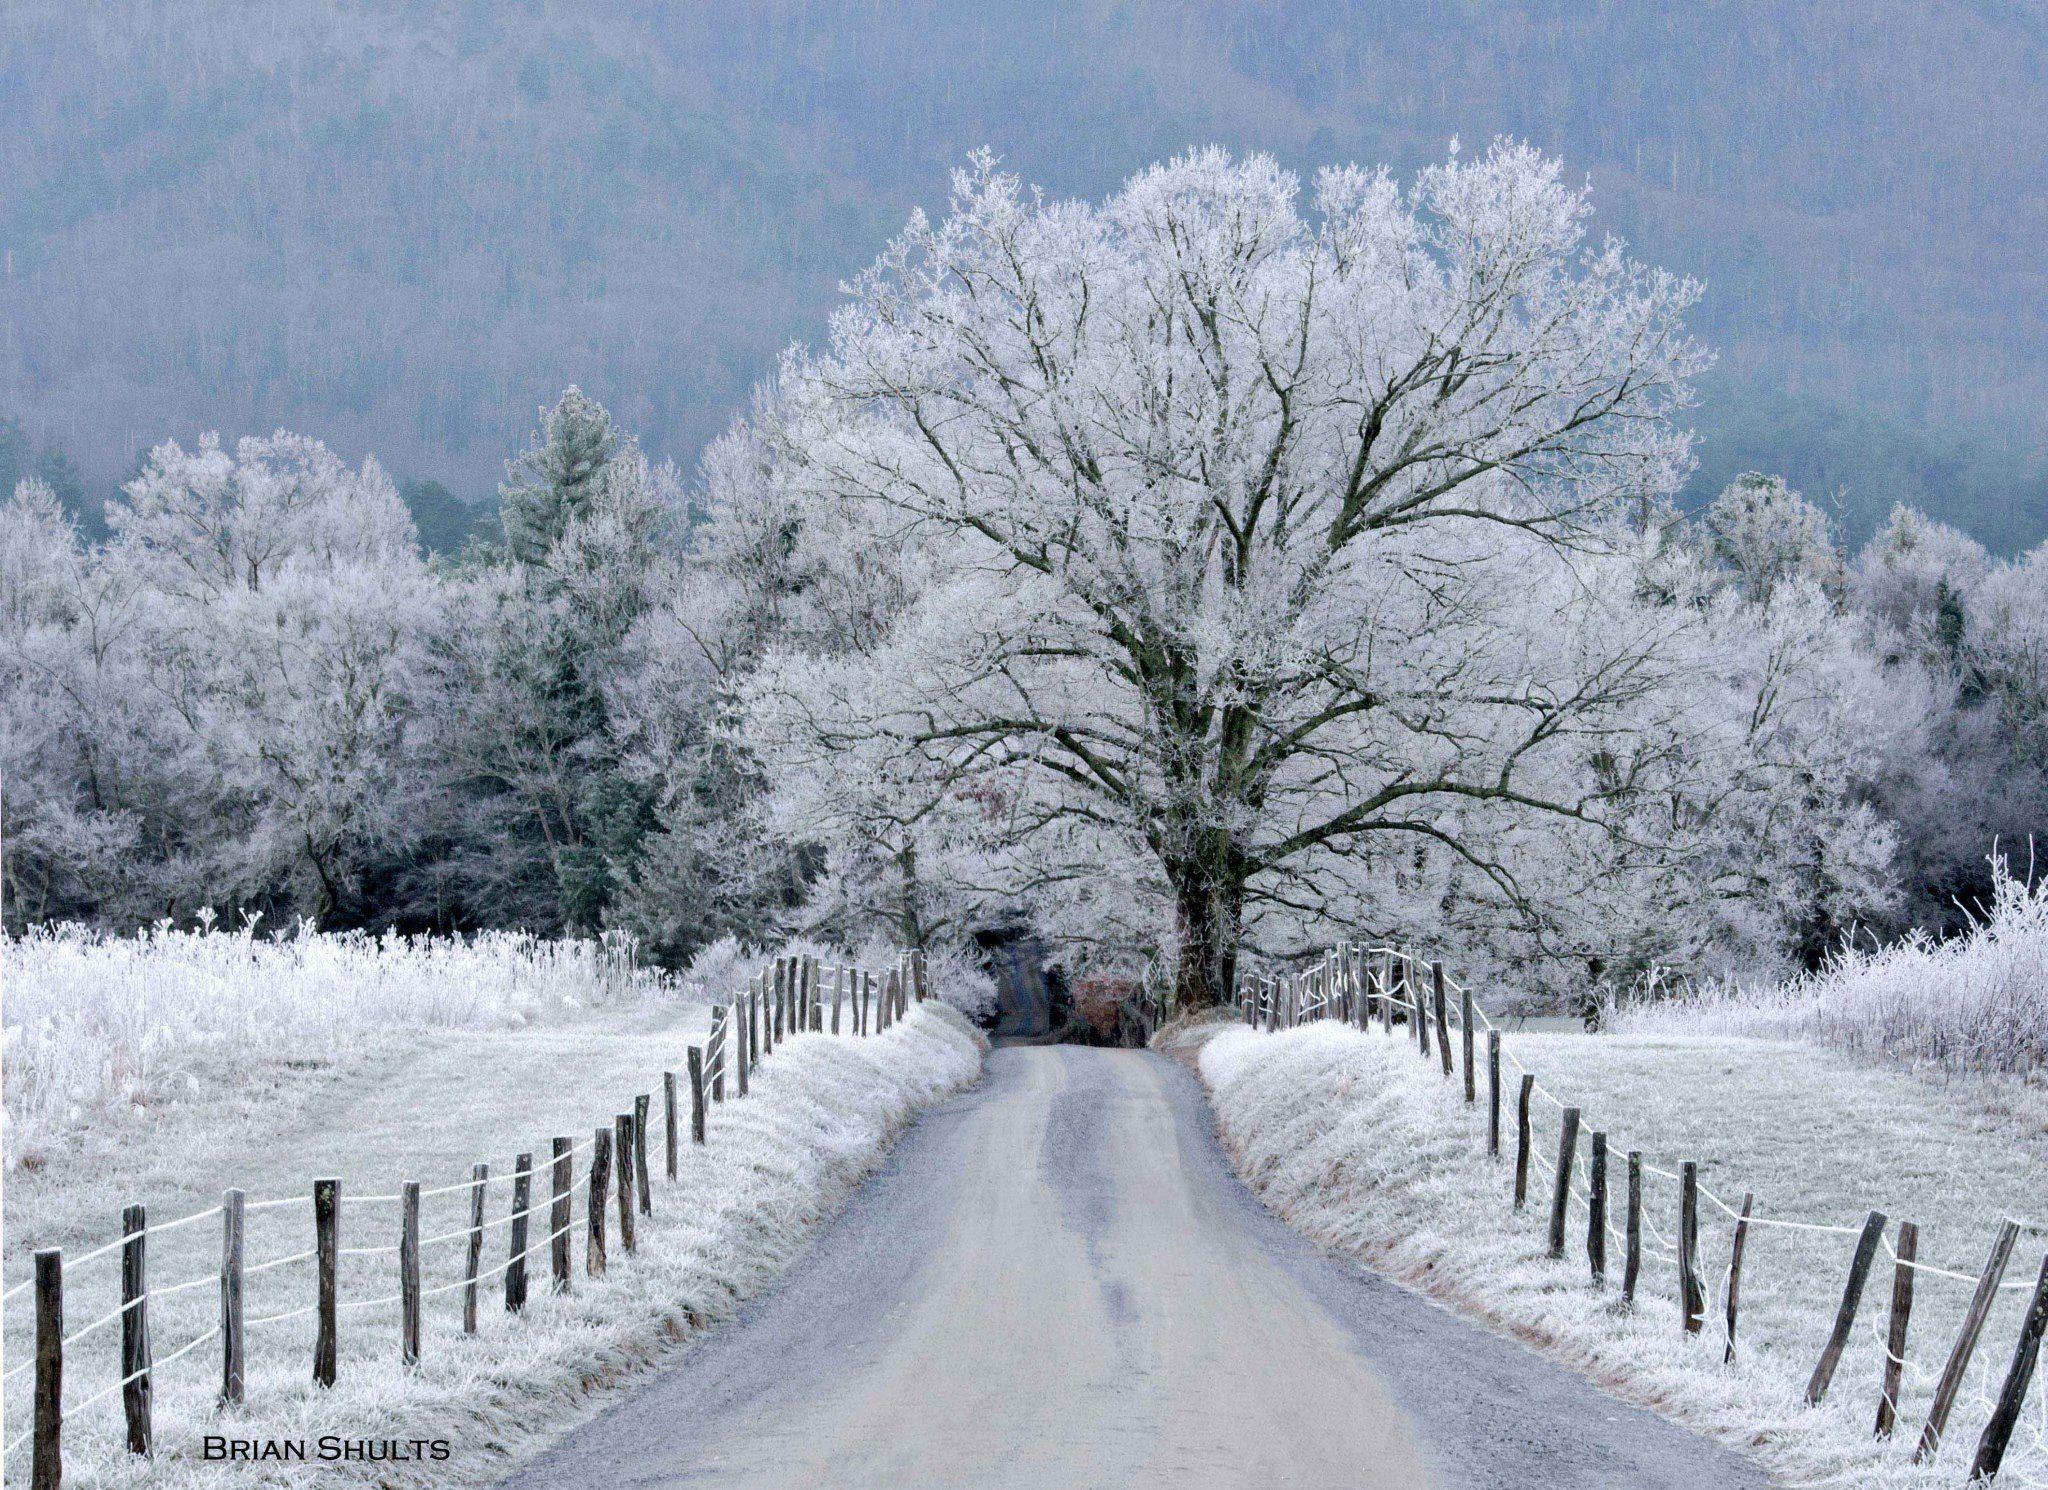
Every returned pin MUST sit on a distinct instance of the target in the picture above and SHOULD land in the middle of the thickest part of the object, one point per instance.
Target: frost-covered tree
(1251, 541)
(1767, 534)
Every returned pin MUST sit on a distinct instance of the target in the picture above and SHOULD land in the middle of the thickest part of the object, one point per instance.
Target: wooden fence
(794, 995)
(1386, 986)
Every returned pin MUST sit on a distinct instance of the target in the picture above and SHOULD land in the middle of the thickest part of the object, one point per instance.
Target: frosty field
(1366, 1148)
(496, 1066)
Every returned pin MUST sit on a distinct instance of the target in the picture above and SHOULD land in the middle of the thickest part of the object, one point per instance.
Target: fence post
(46, 1471)
(1522, 1140)
(135, 1357)
(646, 1196)
(670, 1137)
(1386, 991)
(838, 993)
(409, 1272)
(1561, 1192)
(1465, 1027)
(522, 1203)
(2006, 1414)
(560, 1216)
(1443, 1022)
(231, 1235)
(1845, 1315)
(327, 1271)
(1691, 1302)
(1908, 1252)
(1966, 1342)
(1735, 1271)
(744, 1030)
(721, 1036)
(696, 1095)
(781, 993)
(600, 1182)
(1596, 1210)
(1632, 1230)
(472, 1262)
(1493, 1094)
(622, 1149)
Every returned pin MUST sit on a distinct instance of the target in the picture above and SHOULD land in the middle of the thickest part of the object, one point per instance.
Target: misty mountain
(402, 226)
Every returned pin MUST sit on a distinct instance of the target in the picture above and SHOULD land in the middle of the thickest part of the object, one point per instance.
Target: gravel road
(1056, 1281)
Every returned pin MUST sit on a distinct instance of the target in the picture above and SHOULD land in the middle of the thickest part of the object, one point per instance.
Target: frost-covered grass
(1364, 1147)
(105, 1031)
(1976, 1003)
(820, 1111)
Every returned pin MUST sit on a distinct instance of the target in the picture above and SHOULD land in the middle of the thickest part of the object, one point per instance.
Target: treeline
(258, 695)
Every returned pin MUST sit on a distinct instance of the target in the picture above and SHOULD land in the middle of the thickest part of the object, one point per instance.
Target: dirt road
(1057, 1282)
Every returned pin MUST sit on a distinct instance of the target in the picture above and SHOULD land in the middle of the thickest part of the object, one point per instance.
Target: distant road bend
(1056, 1281)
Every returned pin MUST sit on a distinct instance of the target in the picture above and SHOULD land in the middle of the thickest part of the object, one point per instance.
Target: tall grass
(1976, 1003)
(99, 1027)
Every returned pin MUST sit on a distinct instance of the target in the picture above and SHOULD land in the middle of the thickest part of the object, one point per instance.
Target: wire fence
(794, 995)
(1386, 985)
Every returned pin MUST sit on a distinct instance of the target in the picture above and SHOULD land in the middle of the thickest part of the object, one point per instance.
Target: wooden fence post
(622, 1149)
(1465, 1035)
(1845, 1314)
(1522, 1140)
(600, 1183)
(2006, 1414)
(1561, 1191)
(472, 1263)
(781, 994)
(1966, 1342)
(1691, 1302)
(1493, 1094)
(327, 1269)
(560, 1216)
(522, 1203)
(696, 1095)
(722, 1037)
(641, 1104)
(231, 1241)
(1632, 1230)
(1908, 1252)
(46, 1466)
(1386, 991)
(744, 1030)
(409, 1274)
(1735, 1271)
(135, 1356)
(670, 1137)
(1443, 1022)
(1596, 1210)
(838, 993)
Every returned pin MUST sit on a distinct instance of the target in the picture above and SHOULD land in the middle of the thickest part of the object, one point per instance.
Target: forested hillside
(404, 226)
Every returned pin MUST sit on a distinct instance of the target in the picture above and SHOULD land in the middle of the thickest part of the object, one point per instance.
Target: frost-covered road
(1056, 1281)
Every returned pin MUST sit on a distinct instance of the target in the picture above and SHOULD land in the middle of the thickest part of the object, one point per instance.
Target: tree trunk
(1208, 914)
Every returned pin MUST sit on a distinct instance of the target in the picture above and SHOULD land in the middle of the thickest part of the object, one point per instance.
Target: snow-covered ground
(376, 1109)
(1365, 1147)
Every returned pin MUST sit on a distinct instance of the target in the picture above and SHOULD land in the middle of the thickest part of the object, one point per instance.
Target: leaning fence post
(46, 1471)
(600, 1182)
(1735, 1271)
(1907, 1253)
(1596, 1210)
(646, 1196)
(1966, 1342)
(622, 1149)
(696, 1095)
(1632, 1231)
(231, 1235)
(1691, 1302)
(409, 1272)
(2006, 1414)
(522, 1202)
(1522, 1140)
(327, 1270)
(1561, 1192)
(1845, 1315)
(1443, 1023)
(1493, 1094)
(560, 1216)
(135, 1357)
(479, 1181)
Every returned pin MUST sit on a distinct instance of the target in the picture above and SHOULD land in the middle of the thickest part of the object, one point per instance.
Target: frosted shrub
(1975, 1003)
(98, 1025)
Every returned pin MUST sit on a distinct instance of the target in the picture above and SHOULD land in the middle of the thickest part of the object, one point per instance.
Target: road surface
(1056, 1281)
